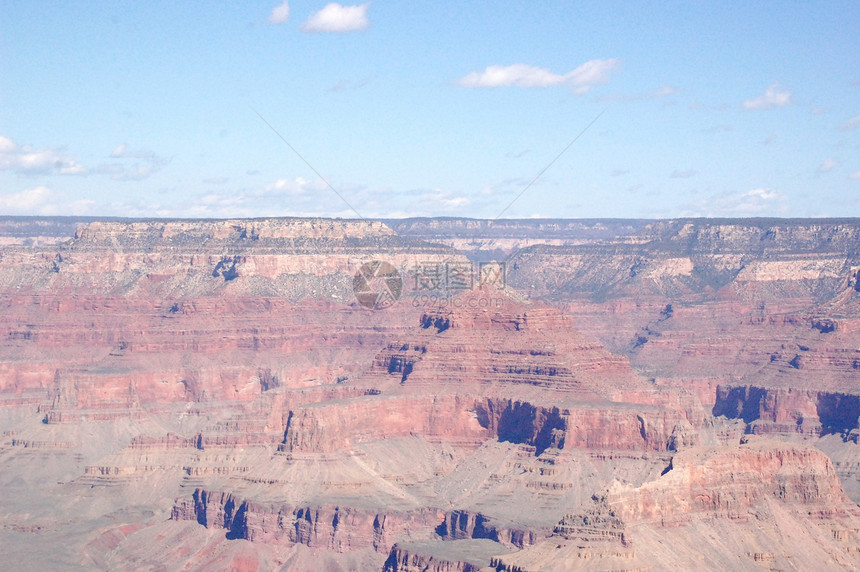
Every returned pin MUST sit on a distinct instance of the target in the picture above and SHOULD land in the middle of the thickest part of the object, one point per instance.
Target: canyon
(532, 394)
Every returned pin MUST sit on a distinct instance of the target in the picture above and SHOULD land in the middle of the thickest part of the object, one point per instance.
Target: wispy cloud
(137, 172)
(774, 96)
(129, 165)
(29, 201)
(280, 13)
(658, 93)
(720, 129)
(335, 17)
(827, 165)
(455, 203)
(517, 154)
(853, 123)
(676, 174)
(446, 200)
(125, 164)
(854, 175)
(581, 80)
(755, 202)
(27, 160)
(42, 201)
(294, 187)
(505, 187)
(283, 197)
(347, 85)
(122, 152)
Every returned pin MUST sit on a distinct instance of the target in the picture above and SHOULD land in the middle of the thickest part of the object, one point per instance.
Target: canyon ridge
(430, 394)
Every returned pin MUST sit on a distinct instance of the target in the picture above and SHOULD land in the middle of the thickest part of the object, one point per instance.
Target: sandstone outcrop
(452, 556)
(334, 528)
(625, 395)
(760, 487)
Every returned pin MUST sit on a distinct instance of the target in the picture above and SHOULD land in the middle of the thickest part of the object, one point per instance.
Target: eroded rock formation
(626, 395)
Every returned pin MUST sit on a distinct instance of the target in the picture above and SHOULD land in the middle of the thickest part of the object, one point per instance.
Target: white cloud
(280, 13)
(827, 165)
(79, 207)
(663, 91)
(146, 163)
(455, 203)
(852, 123)
(44, 202)
(755, 202)
(335, 17)
(295, 187)
(774, 96)
(582, 79)
(591, 74)
(283, 197)
(119, 151)
(436, 200)
(7, 145)
(29, 201)
(27, 160)
(763, 194)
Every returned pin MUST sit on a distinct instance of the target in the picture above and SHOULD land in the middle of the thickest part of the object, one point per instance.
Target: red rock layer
(753, 491)
(339, 529)
(727, 482)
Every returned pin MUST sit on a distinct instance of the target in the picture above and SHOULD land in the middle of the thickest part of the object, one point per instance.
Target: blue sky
(418, 109)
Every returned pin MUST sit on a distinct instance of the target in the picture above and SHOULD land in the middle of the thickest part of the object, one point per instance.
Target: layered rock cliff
(217, 388)
(763, 490)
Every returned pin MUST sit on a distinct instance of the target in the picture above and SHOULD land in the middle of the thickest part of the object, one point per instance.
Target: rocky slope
(625, 395)
(767, 492)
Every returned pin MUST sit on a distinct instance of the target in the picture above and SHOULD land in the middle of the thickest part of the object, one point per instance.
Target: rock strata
(623, 395)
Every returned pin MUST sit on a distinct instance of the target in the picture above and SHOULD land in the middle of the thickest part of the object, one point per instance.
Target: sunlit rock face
(624, 395)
